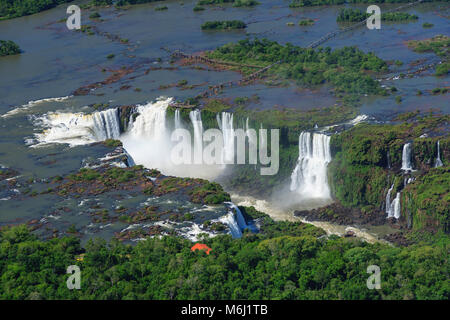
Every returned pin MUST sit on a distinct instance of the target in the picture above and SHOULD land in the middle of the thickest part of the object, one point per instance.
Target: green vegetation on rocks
(360, 176)
(427, 200)
(8, 47)
(223, 25)
(161, 8)
(356, 15)
(209, 193)
(236, 3)
(439, 45)
(95, 15)
(306, 22)
(347, 69)
(310, 3)
(17, 8)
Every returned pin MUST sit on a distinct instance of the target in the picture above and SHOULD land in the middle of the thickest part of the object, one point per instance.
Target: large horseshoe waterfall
(309, 178)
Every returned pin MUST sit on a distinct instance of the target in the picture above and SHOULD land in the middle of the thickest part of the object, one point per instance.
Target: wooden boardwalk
(215, 89)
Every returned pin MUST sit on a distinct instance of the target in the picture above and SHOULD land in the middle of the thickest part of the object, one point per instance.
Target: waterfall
(151, 121)
(106, 124)
(239, 217)
(406, 157)
(231, 222)
(388, 159)
(393, 208)
(236, 221)
(77, 128)
(309, 177)
(388, 201)
(177, 119)
(196, 119)
(438, 159)
(226, 125)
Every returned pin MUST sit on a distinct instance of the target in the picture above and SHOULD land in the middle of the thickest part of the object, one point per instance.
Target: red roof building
(201, 246)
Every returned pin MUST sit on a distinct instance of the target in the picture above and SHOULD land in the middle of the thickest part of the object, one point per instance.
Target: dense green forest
(288, 264)
(18, 8)
(8, 47)
(223, 25)
(356, 15)
(346, 69)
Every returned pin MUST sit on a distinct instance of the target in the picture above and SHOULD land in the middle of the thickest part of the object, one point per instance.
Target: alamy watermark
(74, 281)
(74, 20)
(222, 149)
(374, 281)
(374, 21)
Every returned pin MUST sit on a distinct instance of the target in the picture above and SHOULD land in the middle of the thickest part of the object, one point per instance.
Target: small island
(306, 22)
(223, 25)
(8, 47)
(356, 15)
(236, 3)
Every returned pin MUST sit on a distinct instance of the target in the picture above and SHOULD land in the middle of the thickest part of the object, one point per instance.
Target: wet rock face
(125, 113)
(336, 213)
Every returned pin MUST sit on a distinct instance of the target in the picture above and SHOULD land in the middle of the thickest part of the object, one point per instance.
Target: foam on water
(26, 107)
(77, 128)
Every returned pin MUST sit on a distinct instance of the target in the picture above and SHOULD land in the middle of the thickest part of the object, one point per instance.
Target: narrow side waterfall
(396, 206)
(406, 157)
(77, 128)
(178, 124)
(226, 125)
(393, 208)
(388, 200)
(438, 159)
(388, 159)
(197, 124)
(309, 178)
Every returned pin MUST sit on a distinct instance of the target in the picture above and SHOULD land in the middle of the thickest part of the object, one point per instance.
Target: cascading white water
(438, 162)
(147, 139)
(388, 200)
(232, 223)
(309, 178)
(226, 125)
(106, 124)
(393, 208)
(78, 128)
(396, 206)
(239, 217)
(236, 221)
(406, 157)
(151, 121)
(178, 124)
(197, 124)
